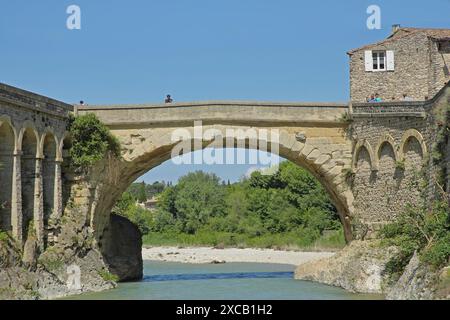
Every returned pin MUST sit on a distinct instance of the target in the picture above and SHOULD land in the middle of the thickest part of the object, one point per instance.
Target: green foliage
(108, 276)
(423, 230)
(51, 263)
(439, 147)
(126, 206)
(3, 236)
(141, 193)
(150, 190)
(439, 253)
(289, 207)
(91, 140)
(400, 165)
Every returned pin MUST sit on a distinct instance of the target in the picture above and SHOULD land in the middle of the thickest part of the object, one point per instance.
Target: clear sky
(136, 51)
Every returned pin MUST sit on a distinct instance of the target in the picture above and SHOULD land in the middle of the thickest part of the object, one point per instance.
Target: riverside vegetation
(288, 209)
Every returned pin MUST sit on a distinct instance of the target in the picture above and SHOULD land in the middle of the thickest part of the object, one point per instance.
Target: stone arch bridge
(366, 155)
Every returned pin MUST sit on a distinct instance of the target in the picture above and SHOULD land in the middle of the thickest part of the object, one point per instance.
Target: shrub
(420, 229)
(3, 236)
(108, 276)
(400, 165)
(91, 140)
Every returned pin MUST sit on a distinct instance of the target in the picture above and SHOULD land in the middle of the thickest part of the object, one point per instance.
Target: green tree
(141, 194)
(199, 196)
(290, 206)
(126, 206)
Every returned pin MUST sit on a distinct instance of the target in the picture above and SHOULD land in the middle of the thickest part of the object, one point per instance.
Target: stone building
(410, 61)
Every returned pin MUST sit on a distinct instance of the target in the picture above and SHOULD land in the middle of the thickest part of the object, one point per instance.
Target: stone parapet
(29, 100)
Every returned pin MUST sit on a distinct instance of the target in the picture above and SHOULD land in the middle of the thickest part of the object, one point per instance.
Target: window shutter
(390, 60)
(368, 60)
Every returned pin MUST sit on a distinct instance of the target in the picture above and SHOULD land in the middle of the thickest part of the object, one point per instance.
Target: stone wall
(391, 167)
(32, 131)
(440, 66)
(421, 70)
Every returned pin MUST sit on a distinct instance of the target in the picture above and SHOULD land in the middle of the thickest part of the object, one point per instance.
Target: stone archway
(146, 149)
(28, 141)
(49, 154)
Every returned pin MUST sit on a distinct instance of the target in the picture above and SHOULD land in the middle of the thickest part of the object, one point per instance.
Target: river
(172, 280)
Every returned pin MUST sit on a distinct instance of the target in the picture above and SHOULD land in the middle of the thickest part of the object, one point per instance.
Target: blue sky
(137, 51)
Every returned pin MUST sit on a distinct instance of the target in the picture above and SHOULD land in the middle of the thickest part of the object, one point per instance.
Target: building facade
(411, 61)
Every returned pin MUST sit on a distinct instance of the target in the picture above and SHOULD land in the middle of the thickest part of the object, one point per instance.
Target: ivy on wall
(91, 140)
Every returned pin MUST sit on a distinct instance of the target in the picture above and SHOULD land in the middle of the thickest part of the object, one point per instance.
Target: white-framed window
(379, 60)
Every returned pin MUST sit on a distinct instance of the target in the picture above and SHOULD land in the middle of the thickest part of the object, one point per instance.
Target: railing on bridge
(397, 108)
(391, 109)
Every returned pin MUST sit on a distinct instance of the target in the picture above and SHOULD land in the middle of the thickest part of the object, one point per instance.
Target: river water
(171, 280)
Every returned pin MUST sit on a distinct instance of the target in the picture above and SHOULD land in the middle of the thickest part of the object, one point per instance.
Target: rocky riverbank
(361, 267)
(73, 265)
(49, 276)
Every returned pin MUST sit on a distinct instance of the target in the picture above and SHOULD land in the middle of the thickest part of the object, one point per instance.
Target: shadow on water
(219, 276)
(228, 281)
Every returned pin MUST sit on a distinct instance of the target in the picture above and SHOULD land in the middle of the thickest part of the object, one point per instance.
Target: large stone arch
(144, 149)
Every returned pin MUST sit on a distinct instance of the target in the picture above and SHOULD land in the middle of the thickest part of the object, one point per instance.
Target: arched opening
(65, 170)
(28, 175)
(386, 185)
(48, 175)
(412, 154)
(6, 174)
(386, 157)
(413, 162)
(363, 161)
(259, 208)
(362, 182)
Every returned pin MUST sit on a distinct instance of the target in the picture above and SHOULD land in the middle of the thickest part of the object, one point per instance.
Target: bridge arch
(142, 154)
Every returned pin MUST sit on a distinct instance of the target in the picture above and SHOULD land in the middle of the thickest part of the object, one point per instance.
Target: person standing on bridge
(168, 99)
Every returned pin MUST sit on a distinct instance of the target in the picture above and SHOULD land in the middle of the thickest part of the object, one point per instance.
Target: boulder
(358, 268)
(416, 283)
(122, 249)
